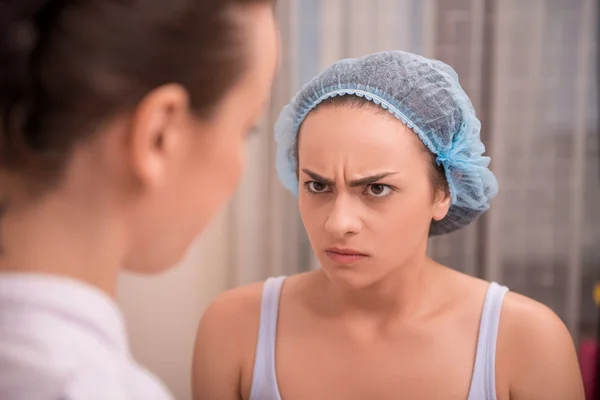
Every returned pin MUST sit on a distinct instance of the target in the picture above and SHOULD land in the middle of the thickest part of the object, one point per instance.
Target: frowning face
(365, 193)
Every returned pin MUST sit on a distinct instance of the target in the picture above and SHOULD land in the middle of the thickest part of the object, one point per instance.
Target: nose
(343, 220)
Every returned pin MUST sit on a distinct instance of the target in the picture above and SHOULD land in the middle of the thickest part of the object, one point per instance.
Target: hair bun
(22, 36)
(19, 40)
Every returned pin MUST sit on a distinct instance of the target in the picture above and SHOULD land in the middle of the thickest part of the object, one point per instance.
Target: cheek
(217, 170)
(406, 219)
(313, 217)
(305, 214)
(226, 164)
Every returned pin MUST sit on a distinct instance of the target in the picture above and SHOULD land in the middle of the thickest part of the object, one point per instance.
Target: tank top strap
(264, 380)
(483, 382)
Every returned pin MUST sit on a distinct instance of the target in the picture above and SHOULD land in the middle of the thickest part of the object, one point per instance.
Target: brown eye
(317, 187)
(378, 190)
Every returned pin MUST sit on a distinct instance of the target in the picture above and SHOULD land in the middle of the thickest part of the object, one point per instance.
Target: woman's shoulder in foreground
(535, 354)
(231, 313)
(237, 307)
(226, 342)
(241, 305)
(226, 334)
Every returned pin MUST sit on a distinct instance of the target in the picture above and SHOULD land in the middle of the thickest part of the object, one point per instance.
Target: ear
(156, 128)
(441, 205)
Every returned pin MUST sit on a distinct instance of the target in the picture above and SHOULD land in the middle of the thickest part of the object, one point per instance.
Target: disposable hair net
(426, 96)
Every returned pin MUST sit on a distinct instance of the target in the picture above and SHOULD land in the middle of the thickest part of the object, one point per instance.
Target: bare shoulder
(225, 340)
(235, 303)
(522, 314)
(535, 352)
(231, 313)
(532, 325)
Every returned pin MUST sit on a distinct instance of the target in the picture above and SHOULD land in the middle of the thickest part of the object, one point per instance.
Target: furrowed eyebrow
(318, 177)
(368, 180)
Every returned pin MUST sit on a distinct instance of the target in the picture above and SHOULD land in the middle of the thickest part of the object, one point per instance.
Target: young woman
(122, 133)
(383, 152)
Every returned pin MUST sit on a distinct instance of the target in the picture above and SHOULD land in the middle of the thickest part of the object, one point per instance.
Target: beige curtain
(543, 237)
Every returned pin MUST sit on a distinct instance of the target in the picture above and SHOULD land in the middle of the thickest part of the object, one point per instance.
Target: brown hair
(67, 66)
(436, 172)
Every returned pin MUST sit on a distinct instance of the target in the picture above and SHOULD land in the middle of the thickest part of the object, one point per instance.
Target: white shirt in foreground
(64, 340)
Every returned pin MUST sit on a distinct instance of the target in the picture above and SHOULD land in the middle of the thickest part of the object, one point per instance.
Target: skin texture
(137, 194)
(373, 329)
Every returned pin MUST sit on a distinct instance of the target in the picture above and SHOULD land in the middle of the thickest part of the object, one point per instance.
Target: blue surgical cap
(426, 96)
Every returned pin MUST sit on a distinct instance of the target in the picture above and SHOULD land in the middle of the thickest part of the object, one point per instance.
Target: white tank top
(483, 381)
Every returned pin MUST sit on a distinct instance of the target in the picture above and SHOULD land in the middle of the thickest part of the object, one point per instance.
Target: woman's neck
(408, 292)
(62, 234)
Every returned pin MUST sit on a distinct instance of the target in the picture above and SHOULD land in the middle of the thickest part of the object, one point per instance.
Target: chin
(158, 251)
(148, 268)
(350, 277)
(155, 262)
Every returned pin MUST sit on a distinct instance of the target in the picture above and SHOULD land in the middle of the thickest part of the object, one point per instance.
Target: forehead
(262, 39)
(360, 138)
(260, 48)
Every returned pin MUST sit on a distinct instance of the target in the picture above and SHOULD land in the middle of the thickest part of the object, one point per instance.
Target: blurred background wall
(530, 70)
